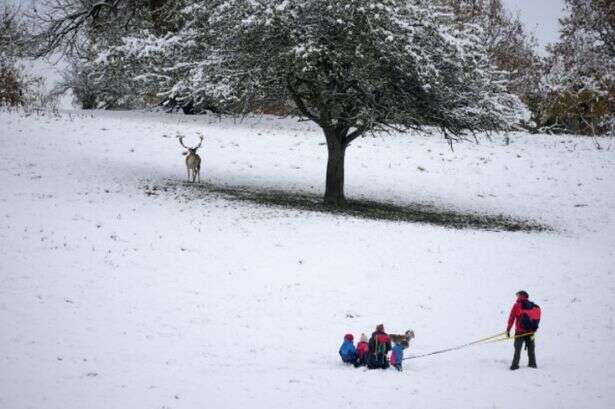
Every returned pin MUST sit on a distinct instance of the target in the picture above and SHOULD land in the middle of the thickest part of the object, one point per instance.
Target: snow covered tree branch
(580, 80)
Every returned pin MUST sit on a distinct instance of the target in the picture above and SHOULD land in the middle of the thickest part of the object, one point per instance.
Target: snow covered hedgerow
(11, 85)
(12, 80)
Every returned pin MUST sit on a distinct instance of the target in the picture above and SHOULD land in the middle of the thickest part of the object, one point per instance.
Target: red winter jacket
(515, 313)
(362, 349)
(379, 338)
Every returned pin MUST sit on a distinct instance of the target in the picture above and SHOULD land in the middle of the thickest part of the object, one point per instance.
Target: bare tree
(71, 25)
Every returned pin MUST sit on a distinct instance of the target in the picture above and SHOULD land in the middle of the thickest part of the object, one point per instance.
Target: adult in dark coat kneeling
(379, 347)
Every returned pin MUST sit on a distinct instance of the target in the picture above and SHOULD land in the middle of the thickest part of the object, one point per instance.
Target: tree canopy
(352, 67)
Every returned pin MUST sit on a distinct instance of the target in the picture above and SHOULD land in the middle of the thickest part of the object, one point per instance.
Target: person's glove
(508, 334)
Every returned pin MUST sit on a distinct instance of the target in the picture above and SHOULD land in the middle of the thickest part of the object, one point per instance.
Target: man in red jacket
(526, 316)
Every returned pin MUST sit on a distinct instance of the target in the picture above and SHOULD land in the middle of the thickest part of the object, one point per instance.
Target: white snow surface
(112, 298)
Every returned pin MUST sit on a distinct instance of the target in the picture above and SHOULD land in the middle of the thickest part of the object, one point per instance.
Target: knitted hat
(523, 294)
(363, 338)
(348, 337)
(380, 328)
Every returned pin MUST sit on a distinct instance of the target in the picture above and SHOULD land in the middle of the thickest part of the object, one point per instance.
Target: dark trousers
(377, 361)
(528, 340)
(361, 361)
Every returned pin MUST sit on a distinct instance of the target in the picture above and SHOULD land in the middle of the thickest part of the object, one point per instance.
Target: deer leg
(188, 170)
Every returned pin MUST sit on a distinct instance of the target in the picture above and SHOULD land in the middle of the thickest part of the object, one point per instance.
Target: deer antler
(181, 141)
(200, 142)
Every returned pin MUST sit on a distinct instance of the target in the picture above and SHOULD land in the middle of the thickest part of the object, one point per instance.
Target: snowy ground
(112, 298)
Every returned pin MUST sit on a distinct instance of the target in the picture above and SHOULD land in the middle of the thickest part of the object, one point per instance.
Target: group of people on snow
(373, 353)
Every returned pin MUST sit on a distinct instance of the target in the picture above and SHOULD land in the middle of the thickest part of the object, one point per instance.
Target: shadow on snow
(359, 208)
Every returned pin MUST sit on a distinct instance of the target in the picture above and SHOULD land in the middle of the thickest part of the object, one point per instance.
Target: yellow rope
(486, 340)
(512, 338)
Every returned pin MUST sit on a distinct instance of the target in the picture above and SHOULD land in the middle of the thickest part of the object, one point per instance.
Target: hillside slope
(114, 294)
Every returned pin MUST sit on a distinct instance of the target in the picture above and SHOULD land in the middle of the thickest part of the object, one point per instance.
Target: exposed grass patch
(366, 209)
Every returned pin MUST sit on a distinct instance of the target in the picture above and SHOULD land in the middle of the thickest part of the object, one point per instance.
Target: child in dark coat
(347, 351)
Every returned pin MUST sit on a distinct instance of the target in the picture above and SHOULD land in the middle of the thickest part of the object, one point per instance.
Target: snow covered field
(114, 298)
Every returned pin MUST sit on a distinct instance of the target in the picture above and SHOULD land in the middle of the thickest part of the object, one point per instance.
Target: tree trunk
(334, 191)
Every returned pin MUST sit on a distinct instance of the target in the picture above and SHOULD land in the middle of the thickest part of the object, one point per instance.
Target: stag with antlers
(193, 160)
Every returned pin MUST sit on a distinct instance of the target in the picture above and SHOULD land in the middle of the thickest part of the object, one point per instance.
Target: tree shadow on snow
(359, 208)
